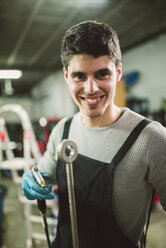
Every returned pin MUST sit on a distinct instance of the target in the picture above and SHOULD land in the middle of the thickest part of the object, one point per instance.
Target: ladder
(31, 154)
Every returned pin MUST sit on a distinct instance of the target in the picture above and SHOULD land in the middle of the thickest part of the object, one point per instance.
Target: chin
(93, 115)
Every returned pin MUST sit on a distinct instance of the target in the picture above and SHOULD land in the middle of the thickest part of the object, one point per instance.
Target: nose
(91, 86)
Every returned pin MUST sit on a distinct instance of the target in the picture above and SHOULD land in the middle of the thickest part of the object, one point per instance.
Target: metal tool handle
(67, 152)
(38, 177)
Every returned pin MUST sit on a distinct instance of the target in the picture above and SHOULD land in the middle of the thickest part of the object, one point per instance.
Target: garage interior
(31, 35)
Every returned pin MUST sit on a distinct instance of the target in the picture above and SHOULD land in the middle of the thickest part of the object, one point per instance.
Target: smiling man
(121, 158)
(92, 84)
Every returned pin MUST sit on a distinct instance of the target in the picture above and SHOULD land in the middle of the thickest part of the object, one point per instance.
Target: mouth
(92, 101)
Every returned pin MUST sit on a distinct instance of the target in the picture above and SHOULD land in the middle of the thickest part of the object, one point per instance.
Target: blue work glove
(31, 188)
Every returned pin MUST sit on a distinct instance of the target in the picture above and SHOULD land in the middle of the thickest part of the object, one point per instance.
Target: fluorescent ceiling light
(87, 3)
(10, 74)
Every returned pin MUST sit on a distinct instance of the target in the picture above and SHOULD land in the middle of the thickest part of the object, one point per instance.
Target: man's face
(92, 84)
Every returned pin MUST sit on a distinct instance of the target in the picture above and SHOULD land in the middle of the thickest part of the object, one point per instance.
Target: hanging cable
(42, 207)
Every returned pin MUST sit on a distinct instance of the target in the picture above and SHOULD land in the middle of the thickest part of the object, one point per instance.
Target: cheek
(110, 89)
(109, 86)
(73, 88)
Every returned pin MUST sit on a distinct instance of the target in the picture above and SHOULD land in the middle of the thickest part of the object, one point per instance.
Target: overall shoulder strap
(67, 128)
(124, 149)
(129, 142)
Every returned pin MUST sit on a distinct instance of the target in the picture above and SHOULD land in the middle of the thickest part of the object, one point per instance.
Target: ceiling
(31, 31)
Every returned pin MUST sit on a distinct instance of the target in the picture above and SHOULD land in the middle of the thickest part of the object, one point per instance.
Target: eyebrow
(74, 73)
(103, 70)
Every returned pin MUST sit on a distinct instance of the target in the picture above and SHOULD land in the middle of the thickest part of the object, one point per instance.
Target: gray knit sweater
(142, 168)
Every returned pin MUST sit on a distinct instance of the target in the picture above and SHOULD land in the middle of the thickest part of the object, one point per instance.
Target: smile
(92, 101)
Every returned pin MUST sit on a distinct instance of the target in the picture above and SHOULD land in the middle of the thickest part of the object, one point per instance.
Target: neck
(104, 120)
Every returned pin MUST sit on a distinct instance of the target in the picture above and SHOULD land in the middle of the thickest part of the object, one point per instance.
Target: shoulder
(61, 124)
(132, 116)
(58, 130)
(135, 118)
(153, 132)
(158, 132)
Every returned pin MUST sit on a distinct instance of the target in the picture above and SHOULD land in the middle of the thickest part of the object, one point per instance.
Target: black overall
(97, 227)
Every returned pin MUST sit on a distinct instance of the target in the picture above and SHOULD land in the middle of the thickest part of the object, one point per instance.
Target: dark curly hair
(93, 38)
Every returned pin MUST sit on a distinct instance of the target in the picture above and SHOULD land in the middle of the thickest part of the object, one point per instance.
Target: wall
(52, 99)
(150, 60)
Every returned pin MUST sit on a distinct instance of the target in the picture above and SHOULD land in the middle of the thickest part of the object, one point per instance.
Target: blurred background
(35, 97)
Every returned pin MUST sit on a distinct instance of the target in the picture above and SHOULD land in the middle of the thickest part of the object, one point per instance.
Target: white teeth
(92, 100)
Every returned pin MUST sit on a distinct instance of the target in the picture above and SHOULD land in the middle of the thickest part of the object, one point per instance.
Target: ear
(119, 72)
(65, 74)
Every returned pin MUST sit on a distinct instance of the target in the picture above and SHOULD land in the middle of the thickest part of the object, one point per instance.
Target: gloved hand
(32, 190)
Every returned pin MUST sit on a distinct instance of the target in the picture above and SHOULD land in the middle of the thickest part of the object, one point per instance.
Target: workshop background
(30, 106)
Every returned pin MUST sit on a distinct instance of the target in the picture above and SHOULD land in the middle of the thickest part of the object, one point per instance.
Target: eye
(78, 76)
(102, 74)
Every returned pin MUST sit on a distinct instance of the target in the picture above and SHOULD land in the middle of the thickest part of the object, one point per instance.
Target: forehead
(87, 63)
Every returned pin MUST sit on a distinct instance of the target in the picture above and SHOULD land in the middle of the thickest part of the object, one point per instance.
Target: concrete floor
(14, 236)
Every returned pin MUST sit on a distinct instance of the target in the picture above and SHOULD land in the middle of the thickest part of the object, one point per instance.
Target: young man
(121, 158)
